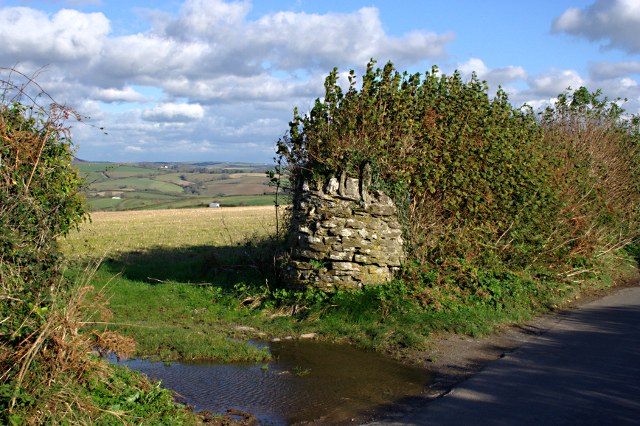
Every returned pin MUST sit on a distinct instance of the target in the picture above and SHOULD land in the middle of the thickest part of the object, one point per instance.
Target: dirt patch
(230, 418)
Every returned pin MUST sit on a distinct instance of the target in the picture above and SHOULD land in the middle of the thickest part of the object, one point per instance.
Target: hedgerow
(595, 160)
(479, 183)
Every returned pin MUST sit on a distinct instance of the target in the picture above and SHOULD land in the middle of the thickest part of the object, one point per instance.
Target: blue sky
(215, 80)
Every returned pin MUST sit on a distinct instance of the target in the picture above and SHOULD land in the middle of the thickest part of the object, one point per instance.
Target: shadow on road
(584, 371)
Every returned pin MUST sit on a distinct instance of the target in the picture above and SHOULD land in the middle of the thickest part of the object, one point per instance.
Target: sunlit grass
(110, 233)
(168, 274)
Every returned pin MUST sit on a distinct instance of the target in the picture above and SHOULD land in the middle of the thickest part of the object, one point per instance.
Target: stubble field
(111, 232)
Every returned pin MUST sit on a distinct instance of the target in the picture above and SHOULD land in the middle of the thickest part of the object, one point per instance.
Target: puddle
(306, 381)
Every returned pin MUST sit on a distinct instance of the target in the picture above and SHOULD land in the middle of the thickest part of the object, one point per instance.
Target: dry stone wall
(344, 234)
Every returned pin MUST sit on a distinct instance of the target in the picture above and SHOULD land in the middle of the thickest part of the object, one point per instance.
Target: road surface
(585, 370)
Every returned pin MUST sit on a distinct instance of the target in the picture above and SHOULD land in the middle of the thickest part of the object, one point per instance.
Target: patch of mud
(230, 418)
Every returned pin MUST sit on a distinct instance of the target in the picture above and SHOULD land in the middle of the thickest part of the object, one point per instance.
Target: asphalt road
(583, 371)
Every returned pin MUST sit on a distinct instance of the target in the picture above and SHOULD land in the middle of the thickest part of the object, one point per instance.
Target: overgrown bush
(47, 372)
(39, 202)
(479, 183)
(595, 159)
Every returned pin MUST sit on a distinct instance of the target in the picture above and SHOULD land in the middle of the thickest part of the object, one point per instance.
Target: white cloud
(208, 19)
(117, 95)
(147, 57)
(170, 112)
(603, 70)
(234, 88)
(614, 21)
(495, 77)
(33, 36)
(544, 88)
(210, 50)
(555, 82)
(294, 40)
(621, 87)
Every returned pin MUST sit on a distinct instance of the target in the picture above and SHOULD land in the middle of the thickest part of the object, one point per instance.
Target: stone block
(345, 232)
(332, 223)
(305, 275)
(382, 198)
(305, 230)
(329, 241)
(377, 270)
(380, 210)
(332, 186)
(340, 255)
(354, 224)
(340, 247)
(319, 232)
(363, 233)
(345, 266)
(301, 266)
(393, 224)
(392, 233)
(350, 189)
(310, 254)
(314, 240)
(360, 258)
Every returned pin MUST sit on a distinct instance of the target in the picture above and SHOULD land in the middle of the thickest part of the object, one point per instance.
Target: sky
(215, 80)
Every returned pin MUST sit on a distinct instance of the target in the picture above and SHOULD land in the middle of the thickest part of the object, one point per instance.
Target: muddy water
(307, 381)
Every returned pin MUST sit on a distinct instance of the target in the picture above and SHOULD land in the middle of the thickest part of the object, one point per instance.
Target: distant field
(141, 186)
(126, 231)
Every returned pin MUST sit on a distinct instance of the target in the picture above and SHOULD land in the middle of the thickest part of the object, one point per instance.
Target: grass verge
(206, 288)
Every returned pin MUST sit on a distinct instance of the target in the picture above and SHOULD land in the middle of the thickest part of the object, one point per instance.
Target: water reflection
(307, 381)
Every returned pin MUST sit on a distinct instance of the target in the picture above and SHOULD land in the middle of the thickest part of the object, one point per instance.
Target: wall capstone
(344, 235)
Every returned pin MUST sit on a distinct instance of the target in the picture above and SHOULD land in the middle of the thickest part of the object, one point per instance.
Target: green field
(142, 186)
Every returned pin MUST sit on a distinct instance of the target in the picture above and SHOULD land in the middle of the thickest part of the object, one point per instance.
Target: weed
(317, 264)
(301, 371)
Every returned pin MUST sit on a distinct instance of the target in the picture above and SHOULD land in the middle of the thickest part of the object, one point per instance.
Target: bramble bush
(480, 185)
(39, 202)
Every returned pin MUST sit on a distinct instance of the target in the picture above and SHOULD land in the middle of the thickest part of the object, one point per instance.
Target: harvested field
(111, 232)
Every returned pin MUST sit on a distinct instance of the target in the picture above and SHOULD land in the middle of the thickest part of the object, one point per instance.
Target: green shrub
(39, 202)
(467, 170)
